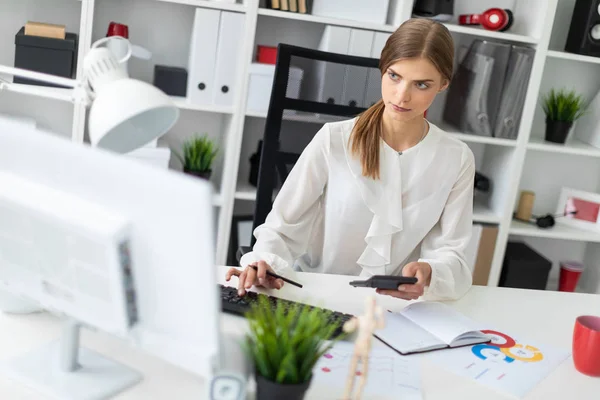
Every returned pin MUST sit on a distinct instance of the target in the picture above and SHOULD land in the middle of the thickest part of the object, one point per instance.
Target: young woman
(385, 193)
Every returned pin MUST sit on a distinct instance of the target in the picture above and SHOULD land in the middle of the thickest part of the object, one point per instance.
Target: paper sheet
(389, 376)
(509, 364)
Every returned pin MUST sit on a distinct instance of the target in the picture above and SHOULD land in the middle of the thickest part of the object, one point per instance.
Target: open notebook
(426, 326)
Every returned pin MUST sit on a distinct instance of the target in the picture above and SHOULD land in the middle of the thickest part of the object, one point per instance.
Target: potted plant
(199, 153)
(284, 346)
(562, 108)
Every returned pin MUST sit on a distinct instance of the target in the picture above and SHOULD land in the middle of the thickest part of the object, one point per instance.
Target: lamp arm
(78, 94)
(38, 76)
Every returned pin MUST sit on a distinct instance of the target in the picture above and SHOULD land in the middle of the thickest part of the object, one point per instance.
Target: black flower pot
(268, 390)
(557, 131)
(200, 174)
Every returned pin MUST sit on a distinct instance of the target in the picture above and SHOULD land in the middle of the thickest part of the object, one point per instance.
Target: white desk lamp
(125, 113)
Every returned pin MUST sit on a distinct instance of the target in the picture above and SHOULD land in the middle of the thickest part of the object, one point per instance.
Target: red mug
(117, 29)
(586, 345)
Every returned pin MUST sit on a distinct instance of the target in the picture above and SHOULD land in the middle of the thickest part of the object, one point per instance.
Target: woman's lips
(400, 109)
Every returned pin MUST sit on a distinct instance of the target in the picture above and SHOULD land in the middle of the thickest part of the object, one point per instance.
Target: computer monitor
(110, 243)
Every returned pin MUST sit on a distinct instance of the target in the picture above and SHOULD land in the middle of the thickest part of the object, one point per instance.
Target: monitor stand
(63, 370)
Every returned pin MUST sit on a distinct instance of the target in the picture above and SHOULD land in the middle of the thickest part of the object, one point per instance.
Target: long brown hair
(417, 37)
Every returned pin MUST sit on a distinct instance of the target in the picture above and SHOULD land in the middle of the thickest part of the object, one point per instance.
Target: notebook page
(440, 320)
(405, 336)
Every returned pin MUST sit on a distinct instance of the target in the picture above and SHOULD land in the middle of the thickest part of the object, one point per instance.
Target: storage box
(171, 80)
(524, 268)
(48, 55)
(261, 84)
(374, 11)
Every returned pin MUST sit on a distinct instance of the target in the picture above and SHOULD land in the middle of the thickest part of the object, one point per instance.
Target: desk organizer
(47, 55)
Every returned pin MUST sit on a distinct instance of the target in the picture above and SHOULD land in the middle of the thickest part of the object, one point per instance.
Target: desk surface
(544, 316)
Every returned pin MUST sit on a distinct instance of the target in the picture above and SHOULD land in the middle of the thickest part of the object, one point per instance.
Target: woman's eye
(422, 85)
(392, 75)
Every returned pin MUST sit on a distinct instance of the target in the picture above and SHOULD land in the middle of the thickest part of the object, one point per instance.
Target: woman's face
(408, 87)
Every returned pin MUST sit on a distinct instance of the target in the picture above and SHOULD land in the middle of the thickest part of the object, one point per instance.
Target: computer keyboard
(232, 303)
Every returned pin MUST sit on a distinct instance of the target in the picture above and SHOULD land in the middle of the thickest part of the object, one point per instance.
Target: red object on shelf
(569, 276)
(267, 55)
(117, 29)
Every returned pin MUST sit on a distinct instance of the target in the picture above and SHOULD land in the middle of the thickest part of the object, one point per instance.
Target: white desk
(515, 310)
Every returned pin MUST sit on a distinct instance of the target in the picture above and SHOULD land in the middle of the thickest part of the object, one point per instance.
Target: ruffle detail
(378, 196)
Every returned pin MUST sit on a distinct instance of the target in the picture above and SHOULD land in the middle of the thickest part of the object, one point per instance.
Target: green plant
(199, 153)
(285, 344)
(563, 105)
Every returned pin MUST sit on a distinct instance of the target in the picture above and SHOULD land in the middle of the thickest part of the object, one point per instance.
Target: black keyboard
(232, 303)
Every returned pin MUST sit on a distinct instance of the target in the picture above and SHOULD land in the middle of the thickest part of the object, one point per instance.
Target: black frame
(272, 160)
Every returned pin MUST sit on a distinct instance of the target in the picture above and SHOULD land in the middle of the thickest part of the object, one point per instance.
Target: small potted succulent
(562, 108)
(284, 345)
(199, 152)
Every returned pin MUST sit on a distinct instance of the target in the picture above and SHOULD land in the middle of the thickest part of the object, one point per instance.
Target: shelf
(210, 4)
(475, 31)
(573, 57)
(482, 214)
(326, 20)
(64, 94)
(245, 191)
(558, 231)
(300, 117)
(470, 30)
(572, 146)
(184, 104)
(472, 138)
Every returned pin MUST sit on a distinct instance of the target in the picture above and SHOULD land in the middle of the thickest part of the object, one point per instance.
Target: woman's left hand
(420, 270)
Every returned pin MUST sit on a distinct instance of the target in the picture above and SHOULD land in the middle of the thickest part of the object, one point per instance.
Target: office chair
(275, 163)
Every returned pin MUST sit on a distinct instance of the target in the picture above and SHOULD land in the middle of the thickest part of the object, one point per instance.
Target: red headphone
(493, 19)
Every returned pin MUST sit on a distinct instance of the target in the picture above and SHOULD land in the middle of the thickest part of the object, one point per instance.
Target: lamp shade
(128, 114)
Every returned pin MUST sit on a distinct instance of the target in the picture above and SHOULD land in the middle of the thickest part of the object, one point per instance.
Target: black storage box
(171, 80)
(524, 268)
(48, 55)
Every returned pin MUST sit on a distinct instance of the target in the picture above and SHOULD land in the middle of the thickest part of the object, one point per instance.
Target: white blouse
(329, 218)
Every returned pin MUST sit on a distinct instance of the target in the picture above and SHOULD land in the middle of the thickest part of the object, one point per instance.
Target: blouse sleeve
(284, 235)
(444, 246)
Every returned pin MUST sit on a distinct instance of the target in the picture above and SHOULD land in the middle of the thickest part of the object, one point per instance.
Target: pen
(274, 275)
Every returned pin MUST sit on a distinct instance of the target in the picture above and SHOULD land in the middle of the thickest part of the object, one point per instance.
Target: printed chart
(388, 372)
(507, 364)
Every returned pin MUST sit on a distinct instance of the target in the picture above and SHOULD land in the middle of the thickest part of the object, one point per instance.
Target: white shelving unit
(164, 27)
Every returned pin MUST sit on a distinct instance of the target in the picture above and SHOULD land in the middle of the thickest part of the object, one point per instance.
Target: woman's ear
(445, 84)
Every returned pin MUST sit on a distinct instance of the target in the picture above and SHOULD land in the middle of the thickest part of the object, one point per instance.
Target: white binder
(373, 90)
(355, 78)
(203, 50)
(231, 32)
(330, 76)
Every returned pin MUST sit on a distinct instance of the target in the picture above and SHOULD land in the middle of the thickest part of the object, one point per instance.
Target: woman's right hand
(250, 276)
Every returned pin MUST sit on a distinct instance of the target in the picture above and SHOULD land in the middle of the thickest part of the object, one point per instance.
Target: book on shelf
(426, 326)
(297, 6)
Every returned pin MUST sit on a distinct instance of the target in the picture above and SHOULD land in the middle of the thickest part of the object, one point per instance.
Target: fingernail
(240, 292)
(402, 287)
(261, 281)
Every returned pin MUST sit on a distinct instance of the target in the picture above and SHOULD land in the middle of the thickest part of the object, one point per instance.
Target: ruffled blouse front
(329, 218)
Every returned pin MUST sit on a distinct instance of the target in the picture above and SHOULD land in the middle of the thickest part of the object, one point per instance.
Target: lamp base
(96, 378)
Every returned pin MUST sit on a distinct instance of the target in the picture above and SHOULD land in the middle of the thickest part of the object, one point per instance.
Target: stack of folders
(297, 6)
(488, 91)
(214, 57)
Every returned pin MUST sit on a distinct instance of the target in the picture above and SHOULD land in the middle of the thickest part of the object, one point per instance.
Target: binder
(330, 76)
(514, 92)
(203, 51)
(231, 31)
(373, 89)
(355, 78)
